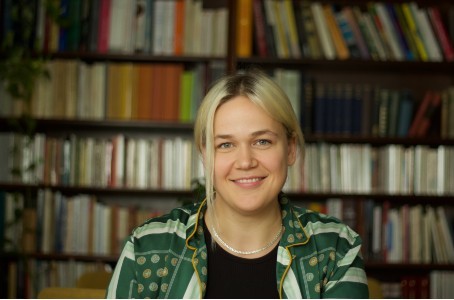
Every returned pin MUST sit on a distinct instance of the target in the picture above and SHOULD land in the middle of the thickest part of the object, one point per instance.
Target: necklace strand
(247, 252)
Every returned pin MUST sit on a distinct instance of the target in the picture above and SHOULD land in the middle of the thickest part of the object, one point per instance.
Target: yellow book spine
(414, 31)
(339, 42)
(244, 28)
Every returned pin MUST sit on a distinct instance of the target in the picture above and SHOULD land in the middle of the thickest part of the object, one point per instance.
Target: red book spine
(441, 33)
(103, 26)
(428, 115)
(259, 22)
(414, 127)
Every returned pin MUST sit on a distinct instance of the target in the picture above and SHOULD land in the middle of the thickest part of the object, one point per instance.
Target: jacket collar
(294, 233)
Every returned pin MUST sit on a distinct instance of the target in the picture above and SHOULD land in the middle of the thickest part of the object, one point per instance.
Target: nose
(245, 158)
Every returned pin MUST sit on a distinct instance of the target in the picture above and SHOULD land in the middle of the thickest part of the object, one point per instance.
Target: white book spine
(323, 31)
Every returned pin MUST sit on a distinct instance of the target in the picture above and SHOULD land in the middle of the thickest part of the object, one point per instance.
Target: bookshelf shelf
(62, 257)
(151, 127)
(406, 267)
(370, 266)
(349, 65)
(135, 57)
(72, 125)
(100, 191)
(297, 196)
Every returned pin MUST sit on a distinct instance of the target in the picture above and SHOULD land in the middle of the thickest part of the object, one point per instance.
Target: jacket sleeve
(123, 283)
(347, 278)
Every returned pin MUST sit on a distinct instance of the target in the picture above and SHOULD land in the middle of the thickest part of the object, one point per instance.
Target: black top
(234, 277)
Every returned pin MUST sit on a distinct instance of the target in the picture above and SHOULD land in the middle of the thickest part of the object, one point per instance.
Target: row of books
(140, 91)
(396, 233)
(390, 169)
(85, 225)
(158, 27)
(169, 163)
(26, 278)
(375, 30)
(80, 224)
(168, 92)
(172, 163)
(370, 110)
(435, 285)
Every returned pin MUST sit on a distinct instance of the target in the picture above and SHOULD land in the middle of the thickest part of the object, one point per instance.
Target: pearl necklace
(247, 252)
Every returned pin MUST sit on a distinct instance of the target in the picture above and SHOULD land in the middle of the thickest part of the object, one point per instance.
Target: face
(252, 153)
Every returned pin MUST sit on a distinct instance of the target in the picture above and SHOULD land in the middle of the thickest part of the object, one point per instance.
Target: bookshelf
(415, 75)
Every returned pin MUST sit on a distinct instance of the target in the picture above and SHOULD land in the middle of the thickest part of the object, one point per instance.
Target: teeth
(250, 180)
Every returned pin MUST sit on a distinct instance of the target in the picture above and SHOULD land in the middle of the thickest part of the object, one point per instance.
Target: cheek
(276, 161)
(222, 165)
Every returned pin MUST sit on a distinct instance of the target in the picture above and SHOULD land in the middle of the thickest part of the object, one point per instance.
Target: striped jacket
(166, 257)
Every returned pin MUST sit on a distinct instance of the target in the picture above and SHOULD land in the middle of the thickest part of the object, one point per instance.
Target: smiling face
(252, 153)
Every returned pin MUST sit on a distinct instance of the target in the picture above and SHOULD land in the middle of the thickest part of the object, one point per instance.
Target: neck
(245, 232)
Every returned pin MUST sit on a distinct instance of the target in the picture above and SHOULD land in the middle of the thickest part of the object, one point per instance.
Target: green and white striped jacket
(166, 257)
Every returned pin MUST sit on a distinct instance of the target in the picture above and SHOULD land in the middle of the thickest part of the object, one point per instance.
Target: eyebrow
(253, 134)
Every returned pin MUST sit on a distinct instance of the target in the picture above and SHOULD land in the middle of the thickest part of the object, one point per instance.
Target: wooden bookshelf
(414, 75)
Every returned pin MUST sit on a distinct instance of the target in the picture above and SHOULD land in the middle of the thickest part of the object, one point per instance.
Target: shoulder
(160, 230)
(324, 227)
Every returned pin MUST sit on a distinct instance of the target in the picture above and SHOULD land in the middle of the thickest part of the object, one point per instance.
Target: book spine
(321, 27)
(244, 27)
(441, 33)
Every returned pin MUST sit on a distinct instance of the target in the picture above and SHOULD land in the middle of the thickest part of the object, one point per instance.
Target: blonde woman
(245, 239)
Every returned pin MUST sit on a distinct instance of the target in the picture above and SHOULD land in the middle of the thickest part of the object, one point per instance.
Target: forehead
(241, 115)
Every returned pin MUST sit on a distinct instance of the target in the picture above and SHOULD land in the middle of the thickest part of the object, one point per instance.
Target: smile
(248, 180)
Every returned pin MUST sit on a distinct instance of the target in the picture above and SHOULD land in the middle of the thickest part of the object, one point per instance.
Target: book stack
(390, 169)
(361, 109)
(117, 161)
(378, 31)
(158, 27)
(76, 225)
(119, 91)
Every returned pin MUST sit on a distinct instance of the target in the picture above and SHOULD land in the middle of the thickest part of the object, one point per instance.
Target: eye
(224, 146)
(263, 142)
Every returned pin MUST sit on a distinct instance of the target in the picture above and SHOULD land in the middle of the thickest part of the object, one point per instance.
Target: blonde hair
(258, 88)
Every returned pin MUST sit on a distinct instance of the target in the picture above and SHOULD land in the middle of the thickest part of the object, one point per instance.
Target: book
(336, 35)
(144, 90)
(374, 43)
(424, 114)
(312, 37)
(441, 32)
(399, 33)
(279, 30)
(383, 112)
(187, 82)
(244, 27)
(328, 48)
(394, 105)
(290, 28)
(405, 113)
(406, 33)
(427, 34)
(389, 31)
(302, 34)
(347, 34)
(445, 233)
(178, 40)
(172, 74)
(414, 31)
(260, 29)
(381, 31)
(103, 26)
(349, 15)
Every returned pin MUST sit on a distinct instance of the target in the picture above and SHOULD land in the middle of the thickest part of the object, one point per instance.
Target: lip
(249, 181)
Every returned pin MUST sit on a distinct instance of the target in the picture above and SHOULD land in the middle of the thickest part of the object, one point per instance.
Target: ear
(291, 150)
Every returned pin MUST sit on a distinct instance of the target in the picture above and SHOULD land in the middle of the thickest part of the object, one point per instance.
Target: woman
(245, 240)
